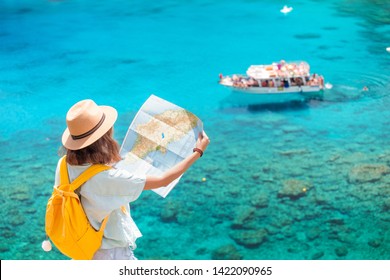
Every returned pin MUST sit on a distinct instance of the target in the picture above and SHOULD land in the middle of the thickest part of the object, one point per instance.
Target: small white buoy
(46, 246)
(328, 86)
(286, 10)
(388, 49)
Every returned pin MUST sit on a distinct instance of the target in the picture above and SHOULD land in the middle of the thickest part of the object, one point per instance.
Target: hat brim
(110, 117)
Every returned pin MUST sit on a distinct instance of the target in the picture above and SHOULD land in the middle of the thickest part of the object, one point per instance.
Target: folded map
(161, 135)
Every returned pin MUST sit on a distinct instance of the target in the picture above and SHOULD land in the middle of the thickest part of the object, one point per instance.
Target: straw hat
(87, 122)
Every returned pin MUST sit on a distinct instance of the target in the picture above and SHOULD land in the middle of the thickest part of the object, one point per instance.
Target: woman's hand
(173, 173)
(203, 141)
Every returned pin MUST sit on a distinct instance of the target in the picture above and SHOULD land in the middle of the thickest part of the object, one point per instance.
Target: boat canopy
(280, 69)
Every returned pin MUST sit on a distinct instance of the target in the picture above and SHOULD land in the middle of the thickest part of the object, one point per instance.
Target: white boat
(277, 82)
(286, 9)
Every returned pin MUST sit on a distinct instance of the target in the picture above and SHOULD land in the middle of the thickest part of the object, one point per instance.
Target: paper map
(161, 135)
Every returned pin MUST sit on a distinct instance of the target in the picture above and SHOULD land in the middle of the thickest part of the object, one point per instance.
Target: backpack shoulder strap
(87, 174)
(64, 177)
(83, 177)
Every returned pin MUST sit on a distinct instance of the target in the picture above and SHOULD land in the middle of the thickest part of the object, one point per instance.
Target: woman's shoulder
(113, 182)
(115, 174)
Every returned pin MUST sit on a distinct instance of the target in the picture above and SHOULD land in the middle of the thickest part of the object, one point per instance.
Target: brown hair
(104, 151)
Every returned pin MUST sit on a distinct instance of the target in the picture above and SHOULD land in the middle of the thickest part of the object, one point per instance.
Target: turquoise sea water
(287, 181)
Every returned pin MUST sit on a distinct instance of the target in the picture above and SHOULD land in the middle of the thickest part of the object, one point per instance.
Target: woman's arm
(153, 182)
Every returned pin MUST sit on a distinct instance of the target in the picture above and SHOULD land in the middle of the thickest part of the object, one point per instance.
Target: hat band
(81, 136)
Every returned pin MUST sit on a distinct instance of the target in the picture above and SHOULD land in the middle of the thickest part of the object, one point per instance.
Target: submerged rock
(317, 256)
(385, 217)
(4, 248)
(7, 233)
(375, 243)
(249, 238)
(341, 251)
(294, 152)
(244, 216)
(292, 129)
(336, 222)
(313, 233)
(260, 200)
(226, 252)
(21, 197)
(386, 205)
(304, 36)
(385, 157)
(367, 173)
(169, 212)
(294, 189)
(17, 220)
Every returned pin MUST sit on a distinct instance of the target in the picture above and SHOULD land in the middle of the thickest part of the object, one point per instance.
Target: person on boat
(321, 81)
(236, 80)
(226, 80)
(293, 82)
(281, 64)
(239, 81)
(286, 84)
(243, 83)
(314, 80)
(252, 82)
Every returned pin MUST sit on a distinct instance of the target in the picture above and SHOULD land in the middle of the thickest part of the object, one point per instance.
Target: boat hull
(258, 95)
(276, 91)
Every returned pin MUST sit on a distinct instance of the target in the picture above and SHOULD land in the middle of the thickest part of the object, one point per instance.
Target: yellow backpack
(66, 223)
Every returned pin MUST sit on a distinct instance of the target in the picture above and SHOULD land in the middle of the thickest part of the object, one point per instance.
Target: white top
(106, 193)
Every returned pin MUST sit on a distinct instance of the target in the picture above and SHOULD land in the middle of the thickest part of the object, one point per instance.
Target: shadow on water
(276, 107)
(237, 103)
(294, 105)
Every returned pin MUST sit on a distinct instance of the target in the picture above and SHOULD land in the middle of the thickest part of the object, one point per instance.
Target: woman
(88, 139)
